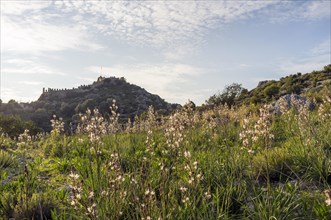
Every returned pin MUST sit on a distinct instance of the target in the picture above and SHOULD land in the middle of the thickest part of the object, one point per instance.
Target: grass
(217, 164)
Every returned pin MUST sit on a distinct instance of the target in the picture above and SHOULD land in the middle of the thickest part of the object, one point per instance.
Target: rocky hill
(131, 99)
(308, 84)
(68, 103)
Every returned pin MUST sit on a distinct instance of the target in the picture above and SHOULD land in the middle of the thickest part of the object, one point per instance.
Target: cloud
(21, 7)
(32, 27)
(317, 10)
(315, 59)
(26, 38)
(286, 11)
(30, 83)
(324, 48)
(175, 27)
(161, 24)
(26, 66)
(172, 81)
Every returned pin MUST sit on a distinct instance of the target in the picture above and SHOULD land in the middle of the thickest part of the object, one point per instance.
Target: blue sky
(179, 50)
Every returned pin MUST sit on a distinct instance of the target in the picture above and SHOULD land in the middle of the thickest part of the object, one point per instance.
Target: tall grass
(221, 163)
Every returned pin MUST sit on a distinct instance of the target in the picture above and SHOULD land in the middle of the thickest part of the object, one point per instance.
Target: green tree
(228, 96)
(14, 126)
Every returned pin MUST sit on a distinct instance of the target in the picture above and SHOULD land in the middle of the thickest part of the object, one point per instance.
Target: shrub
(271, 90)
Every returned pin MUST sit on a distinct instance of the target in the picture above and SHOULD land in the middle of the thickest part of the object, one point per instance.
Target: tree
(14, 126)
(228, 96)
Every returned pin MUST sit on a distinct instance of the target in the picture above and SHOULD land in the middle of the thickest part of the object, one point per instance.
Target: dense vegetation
(225, 160)
(271, 90)
(68, 103)
(220, 163)
(307, 84)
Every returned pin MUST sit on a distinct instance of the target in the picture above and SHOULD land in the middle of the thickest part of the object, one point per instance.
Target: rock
(292, 101)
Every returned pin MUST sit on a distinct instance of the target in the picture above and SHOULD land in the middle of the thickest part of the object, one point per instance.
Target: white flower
(73, 202)
(187, 154)
(91, 194)
(183, 189)
(74, 175)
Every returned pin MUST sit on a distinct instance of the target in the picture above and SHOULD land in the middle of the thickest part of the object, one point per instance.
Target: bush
(271, 90)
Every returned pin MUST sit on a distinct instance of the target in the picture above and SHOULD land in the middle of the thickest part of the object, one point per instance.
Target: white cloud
(160, 24)
(21, 7)
(25, 37)
(30, 83)
(25, 66)
(315, 59)
(287, 11)
(317, 9)
(324, 48)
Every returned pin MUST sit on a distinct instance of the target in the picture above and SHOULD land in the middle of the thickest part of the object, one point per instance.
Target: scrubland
(249, 162)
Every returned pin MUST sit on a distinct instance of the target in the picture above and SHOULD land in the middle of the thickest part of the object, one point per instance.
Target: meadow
(248, 162)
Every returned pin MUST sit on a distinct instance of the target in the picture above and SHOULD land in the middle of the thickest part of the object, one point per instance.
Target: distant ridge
(131, 99)
(68, 103)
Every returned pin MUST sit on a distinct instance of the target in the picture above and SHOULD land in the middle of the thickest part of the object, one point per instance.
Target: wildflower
(73, 175)
(190, 181)
(183, 189)
(91, 195)
(187, 154)
(73, 202)
(104, 193)
(186, 199)
(91, 209)
(133, 181)
(199, 176)
(57, 125)
(328, 197)
(207, 195)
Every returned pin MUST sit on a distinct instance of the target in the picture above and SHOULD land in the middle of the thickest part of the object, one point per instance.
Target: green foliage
(14, 126)
(271, 90)
(301, 84)
(277, 203)
(275, 164)
(194, 164)
(228, 96)
(6, 160)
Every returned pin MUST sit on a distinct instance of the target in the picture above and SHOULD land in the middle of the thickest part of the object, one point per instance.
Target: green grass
(188, 169)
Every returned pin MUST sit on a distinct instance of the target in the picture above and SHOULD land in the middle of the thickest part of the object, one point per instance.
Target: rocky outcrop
(292, 101)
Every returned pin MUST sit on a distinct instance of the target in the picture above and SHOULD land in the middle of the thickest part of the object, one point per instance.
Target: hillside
(68, 103)
(220, 163)
(301, 84)
(131, 99)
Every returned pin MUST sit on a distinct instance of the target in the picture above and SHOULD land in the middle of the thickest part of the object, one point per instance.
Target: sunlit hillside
(265, 161)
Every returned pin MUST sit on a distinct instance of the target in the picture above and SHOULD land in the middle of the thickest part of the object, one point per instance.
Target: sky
(179, 50)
